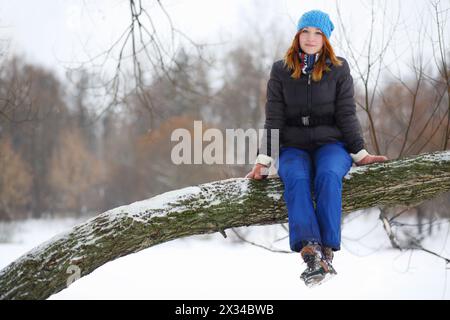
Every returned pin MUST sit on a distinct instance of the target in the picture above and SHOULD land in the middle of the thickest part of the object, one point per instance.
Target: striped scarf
(307, 61)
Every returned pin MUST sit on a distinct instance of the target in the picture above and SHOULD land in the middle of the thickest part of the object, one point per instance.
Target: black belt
(308, 121)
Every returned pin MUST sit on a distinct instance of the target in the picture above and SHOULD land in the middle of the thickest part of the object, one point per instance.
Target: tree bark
(207, 208)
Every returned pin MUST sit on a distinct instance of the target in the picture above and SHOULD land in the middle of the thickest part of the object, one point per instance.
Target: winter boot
(328, 255)
(317, 268)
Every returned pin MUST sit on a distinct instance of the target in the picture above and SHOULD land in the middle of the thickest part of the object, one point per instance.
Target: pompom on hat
(317, 19)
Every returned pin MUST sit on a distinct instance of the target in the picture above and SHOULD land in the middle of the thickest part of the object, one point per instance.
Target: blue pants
(322, 169)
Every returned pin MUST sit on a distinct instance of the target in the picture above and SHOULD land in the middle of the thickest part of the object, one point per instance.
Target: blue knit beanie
(318, 19)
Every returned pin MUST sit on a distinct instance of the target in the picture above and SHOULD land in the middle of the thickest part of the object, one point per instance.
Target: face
(311, 40)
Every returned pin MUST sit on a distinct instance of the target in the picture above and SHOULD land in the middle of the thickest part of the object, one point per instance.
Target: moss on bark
(215, 207)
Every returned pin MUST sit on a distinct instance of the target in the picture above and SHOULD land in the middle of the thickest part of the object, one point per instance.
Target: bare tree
(366, 62)
(74, 174)
(145, 51)
(441, 55)
(15, 181)
(15, 105)
(411, 111)
(33, 102)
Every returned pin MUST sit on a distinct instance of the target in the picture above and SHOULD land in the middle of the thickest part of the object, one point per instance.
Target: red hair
(292, 60)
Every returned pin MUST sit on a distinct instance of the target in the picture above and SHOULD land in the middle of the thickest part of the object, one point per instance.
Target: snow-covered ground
(211, 267)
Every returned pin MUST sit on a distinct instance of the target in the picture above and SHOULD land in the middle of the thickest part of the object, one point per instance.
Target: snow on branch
(207, 208)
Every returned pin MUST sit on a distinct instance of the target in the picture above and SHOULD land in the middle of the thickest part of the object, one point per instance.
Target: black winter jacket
(332, 96)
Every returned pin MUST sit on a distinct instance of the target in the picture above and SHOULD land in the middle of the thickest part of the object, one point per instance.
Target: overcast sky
(57, 33)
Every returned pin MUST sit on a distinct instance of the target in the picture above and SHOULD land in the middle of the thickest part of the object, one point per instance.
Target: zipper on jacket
(309, 95)
(309, 108)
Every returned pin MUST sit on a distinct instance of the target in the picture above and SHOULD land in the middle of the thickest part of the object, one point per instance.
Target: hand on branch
(371, 159)
(258, 172)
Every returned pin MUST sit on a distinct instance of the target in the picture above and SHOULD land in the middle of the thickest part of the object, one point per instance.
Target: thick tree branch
(207, 208)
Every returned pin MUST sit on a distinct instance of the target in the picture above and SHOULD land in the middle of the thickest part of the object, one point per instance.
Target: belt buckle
(305, 121)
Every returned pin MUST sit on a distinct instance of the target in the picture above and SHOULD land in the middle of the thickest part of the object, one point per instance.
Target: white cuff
(264, 160)
(361, 154)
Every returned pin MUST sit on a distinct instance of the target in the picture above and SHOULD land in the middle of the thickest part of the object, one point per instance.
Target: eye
(318, 32)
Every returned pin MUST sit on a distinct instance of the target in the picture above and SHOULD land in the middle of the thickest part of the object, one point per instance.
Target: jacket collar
(307, 61)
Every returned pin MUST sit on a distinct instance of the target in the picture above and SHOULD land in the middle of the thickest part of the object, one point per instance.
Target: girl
(310, 101)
